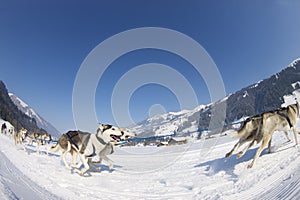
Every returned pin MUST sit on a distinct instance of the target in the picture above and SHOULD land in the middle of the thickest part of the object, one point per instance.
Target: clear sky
(43, 44)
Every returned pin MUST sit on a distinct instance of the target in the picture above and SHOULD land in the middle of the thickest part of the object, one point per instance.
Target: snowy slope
(192, 171)
(41, 123)
(182, 122)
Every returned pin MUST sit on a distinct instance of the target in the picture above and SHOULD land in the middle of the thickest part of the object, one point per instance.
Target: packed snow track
(197, 170)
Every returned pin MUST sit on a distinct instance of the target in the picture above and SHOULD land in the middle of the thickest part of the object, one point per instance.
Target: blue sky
(43, 44)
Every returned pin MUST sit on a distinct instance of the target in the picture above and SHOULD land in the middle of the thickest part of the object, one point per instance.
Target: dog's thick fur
(261, 128)
(39, 139)
(97, 144)
(76, 143)
(19, 137)
(64, 144)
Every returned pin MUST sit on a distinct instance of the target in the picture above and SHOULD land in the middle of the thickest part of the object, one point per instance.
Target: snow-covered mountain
(265, 95)
(41, 123)
(185, 121)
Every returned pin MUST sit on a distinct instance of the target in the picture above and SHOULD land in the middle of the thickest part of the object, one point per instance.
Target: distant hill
(41, 123)
(10, 112)
(262, 96)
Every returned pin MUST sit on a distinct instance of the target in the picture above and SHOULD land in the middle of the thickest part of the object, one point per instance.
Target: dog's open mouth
(115, 137)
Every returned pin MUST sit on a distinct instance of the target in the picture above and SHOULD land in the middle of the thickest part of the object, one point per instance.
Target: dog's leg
(94, 163)
(287, 136)
(38, 146)
(47, 149)
(63, 155)
(241, 153)
(109, 161)
(24, 148)
(295, 134)
(260, 149)
(235, 148)
(86, 167)
(269, 145)
(74, 157)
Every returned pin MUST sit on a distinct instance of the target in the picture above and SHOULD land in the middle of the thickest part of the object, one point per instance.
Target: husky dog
(3, 128)
(98, 144)
(10, 131)
(261, 128)
(126, 134)
(77, 141)
(19, 137)
(64, 144)
(39, 139)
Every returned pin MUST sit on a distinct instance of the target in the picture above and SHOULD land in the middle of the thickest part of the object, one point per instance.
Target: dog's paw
(80, 172)
(68, 168)
(250, 166)
(240, 154)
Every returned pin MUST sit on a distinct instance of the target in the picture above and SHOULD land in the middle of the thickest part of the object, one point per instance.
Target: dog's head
(46, 137)
(109, 133)
(126, 134)
(23, 133)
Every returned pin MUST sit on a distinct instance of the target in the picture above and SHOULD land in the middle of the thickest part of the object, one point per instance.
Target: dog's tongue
(114, 137)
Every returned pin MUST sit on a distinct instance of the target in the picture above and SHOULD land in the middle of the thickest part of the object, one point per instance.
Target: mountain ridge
(10, 112)
(29, 111)
(265, 95)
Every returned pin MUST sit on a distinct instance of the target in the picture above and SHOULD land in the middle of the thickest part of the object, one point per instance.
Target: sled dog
(19, 137)
(39, 139)
(261, 128)
(10, 131)
(126, 134)
(64, 144)
(97, 144)
(76, 143)
(3, 128)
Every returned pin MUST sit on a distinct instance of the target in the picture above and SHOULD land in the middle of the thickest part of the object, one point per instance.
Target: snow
(294, 63)
(192, 171)
(290, 99)
(256, 85)
(245, 94)
(296, 84)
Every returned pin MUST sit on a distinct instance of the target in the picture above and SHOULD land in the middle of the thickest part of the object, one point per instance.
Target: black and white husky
(88, 145)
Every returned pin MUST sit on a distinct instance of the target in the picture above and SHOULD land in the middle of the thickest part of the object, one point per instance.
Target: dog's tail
(54, 148)
(241, 132)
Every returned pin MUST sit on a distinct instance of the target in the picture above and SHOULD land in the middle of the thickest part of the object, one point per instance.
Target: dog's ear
(106, 127)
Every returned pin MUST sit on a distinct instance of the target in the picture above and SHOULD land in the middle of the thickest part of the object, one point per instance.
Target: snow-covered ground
(192, 171)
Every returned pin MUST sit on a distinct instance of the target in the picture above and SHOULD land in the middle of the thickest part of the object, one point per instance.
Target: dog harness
(71, 139)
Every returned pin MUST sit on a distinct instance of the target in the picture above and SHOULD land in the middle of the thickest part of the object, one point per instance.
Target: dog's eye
(113, 129)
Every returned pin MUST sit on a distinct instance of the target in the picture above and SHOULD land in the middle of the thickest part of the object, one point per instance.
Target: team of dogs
(259, 128)
(80, 144)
